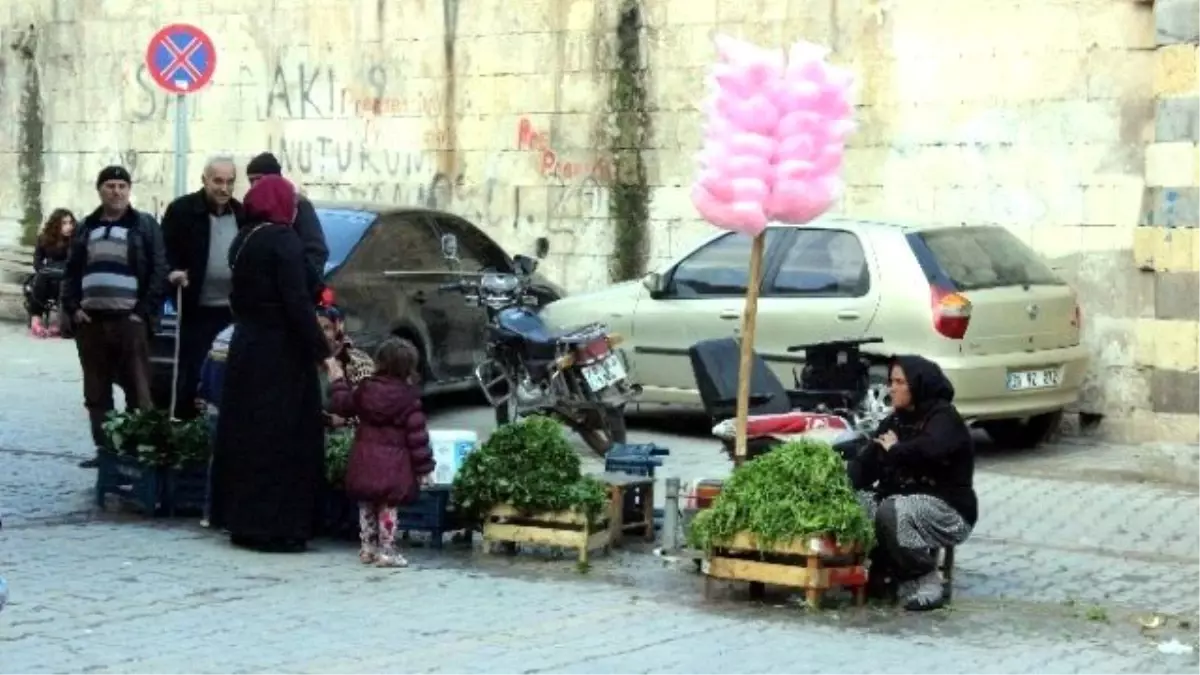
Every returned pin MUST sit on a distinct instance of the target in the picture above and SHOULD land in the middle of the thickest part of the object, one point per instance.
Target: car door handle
(848, 315)
(418, 297)
(730, 314)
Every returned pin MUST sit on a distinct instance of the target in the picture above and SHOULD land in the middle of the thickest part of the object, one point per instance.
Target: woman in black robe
(916, 481)
(269, 456)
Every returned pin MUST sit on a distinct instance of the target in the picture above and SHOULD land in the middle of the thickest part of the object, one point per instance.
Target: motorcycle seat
(786, 424)
(543, 344)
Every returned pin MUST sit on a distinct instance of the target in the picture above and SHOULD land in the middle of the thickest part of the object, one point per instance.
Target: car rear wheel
(1023, 434)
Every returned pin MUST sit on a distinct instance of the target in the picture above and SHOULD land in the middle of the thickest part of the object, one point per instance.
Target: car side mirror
(524, 265)
(655, 283)
(541, 248)
(450, 247)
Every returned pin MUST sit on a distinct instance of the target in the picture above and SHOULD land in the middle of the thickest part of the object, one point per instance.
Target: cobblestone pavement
(1060, 571)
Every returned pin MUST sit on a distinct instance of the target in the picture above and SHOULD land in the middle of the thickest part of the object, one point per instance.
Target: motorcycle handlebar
(452, 286)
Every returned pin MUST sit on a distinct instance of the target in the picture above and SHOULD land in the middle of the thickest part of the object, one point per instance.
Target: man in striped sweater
(113, 290)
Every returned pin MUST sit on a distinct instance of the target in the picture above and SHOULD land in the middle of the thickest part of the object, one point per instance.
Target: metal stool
(946, 567)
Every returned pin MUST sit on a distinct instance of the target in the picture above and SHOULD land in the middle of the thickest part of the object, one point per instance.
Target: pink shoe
(36, 329)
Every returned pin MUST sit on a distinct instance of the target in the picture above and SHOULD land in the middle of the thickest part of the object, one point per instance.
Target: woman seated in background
(915, 480)
(49, 260)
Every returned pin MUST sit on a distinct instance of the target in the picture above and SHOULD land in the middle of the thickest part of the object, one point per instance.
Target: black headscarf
(927, 384)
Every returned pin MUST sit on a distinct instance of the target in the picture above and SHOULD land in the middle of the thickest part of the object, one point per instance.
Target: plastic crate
(339, 518)
(133, 483)
(636, 460)
(186, 490)
(431, 513)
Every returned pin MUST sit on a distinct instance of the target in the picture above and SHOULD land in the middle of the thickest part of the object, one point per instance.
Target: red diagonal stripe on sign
(181, 59)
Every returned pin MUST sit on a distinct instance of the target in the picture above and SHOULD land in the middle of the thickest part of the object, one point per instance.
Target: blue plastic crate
(186, 490)
(635, 460)
(430, 513)
(133, 483)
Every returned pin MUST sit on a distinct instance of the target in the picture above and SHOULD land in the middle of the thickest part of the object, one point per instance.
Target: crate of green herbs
(797, 491)
(530, 466)
(525, 486)
(151, 460)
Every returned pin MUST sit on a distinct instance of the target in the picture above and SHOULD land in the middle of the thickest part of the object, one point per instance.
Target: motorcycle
(577, 375)
(833, 400)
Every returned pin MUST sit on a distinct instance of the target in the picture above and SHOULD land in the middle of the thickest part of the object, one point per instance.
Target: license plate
(604, 374)
(1024, 380)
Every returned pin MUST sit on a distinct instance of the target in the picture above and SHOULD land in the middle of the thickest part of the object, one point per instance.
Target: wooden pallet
(815, 564)
(563, 529)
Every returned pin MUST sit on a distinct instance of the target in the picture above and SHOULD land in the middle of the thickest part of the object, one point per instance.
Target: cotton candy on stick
(773, 146)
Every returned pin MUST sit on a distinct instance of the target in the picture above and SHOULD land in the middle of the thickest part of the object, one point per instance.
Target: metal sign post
(182, 59)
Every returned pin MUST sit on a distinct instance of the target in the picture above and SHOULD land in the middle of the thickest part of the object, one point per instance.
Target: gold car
(1003, 326)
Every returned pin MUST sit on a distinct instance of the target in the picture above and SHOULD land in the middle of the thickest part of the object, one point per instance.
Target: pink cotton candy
(775, 135)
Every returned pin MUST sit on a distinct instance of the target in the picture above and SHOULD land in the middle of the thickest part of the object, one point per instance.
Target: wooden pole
(749, 320)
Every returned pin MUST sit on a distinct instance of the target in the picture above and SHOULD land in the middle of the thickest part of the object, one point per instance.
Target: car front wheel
(1023, 434)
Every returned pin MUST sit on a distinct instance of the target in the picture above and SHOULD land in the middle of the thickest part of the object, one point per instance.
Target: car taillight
(951, 312)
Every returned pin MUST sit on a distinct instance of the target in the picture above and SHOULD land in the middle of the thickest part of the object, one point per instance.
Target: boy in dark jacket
(391, 457)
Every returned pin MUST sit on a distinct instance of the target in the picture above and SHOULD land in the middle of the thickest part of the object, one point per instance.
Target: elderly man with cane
(198, 229)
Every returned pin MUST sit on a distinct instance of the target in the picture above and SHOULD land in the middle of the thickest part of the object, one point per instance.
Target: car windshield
(343, 229)
(975, 258)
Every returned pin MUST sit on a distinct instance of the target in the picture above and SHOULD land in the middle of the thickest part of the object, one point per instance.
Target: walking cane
(175, 361)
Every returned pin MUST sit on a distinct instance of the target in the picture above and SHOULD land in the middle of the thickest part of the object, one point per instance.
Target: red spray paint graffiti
(552, 164)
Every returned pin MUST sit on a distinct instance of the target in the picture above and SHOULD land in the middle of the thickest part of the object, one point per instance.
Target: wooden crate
(815, 564)
(563, 529)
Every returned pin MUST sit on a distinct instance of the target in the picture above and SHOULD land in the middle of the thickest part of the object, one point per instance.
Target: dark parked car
(385, 266)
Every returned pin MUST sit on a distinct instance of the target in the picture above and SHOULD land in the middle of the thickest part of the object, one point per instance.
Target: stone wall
(1041, 116)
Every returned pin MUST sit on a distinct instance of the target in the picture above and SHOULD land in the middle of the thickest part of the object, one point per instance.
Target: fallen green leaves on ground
(799, 489)
(531, 466)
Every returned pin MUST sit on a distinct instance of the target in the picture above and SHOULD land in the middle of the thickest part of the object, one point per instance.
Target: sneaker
(390, 560)
(367, 557)
(924, 594)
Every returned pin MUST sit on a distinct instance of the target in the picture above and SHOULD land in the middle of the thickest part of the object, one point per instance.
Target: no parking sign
(182, 59)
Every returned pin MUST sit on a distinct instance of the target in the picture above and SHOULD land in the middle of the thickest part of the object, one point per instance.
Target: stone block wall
(1165, 246)
(1067, 121)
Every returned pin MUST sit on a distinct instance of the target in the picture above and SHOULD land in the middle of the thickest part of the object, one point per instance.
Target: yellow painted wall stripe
(1168, 344)
(1166, 249)
(1175, 70)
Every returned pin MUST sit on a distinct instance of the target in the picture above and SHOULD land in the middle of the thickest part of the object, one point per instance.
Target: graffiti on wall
(359, 170)
(577, 185)
(303, 91)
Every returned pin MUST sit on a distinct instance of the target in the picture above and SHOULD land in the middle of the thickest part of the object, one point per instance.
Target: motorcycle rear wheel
(601, 434)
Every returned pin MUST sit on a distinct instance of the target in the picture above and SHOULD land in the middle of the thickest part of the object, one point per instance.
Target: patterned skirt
(922, 521)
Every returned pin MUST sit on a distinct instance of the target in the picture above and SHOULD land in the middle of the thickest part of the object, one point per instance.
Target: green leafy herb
(150, 437)
(190, 443)
(799, 489)
(338, 444)
(531, 466)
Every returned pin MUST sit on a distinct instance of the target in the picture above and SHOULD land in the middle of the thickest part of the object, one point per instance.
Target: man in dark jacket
(198, 229)
(306, 225)
(113, 291)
